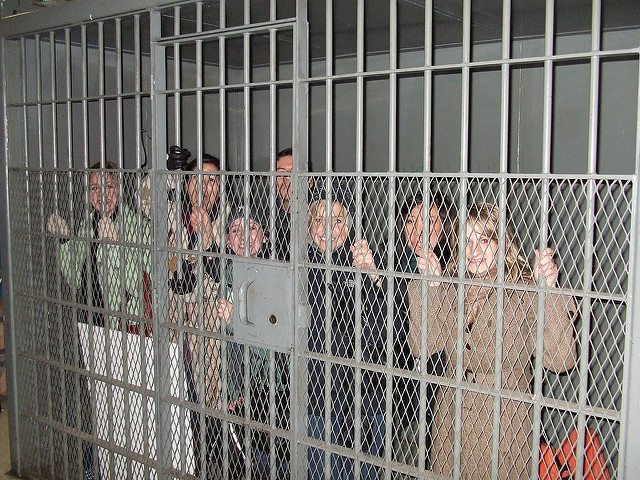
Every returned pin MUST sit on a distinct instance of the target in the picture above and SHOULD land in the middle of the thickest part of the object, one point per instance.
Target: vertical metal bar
(76, 355)
(272, 125)
(202, 373)
(358, 228)
(629, 437)
(104, 283)
(328, 210)
(103, 153)
(427, 167)
(222, 106)
(272, 224)
(299, 392)
(41, 236)
(137, 88)
(587, 302)
(246, 201)
(502, 203)
(392, 169)
(68, 93)
(85, 106)
(544, 211)
(56, 163)
(177, 122)
(464, 166)
(118, 26)
(126, 355)
(158, 266)
(177, 64)
(10, 76)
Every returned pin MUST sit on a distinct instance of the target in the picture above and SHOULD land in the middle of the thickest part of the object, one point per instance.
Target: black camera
(177, 158)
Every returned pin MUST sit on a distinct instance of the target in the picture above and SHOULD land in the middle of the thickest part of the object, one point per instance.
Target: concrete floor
(5, 461)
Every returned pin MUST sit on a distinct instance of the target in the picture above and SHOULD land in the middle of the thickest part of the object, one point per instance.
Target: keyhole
(273, 319)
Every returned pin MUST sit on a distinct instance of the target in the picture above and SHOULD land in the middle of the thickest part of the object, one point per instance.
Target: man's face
(104, 200)
(283, 184)
(210, 187)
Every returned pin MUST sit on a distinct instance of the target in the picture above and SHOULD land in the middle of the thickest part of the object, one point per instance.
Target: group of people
(355, 305)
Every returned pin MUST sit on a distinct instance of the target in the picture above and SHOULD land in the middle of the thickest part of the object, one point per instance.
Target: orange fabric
(548, 468)
(561, 463)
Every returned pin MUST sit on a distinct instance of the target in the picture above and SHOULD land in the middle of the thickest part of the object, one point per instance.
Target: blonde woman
(481, 315)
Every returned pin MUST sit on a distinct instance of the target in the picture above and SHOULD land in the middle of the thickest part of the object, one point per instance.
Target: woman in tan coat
(478, 355)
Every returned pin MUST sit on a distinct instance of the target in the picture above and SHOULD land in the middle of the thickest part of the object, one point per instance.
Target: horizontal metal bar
(526, 61)
(227, 32)
(132, 387)
(630, 179)
(140, 319)
(93, 439)
(73, 100)
(529, 398)
(236, 419)
(235, 86)
(592, 294)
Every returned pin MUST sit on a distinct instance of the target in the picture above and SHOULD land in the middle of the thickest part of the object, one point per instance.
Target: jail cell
(383, 306)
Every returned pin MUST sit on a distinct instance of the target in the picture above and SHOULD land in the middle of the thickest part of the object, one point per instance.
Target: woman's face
(235, 237)
(109, 193)
(481, 252)
(339, 228)
(413, 228)
(210, 187)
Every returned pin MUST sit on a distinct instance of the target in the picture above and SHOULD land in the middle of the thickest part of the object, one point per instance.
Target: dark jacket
(282, 235)
(342, 292)
(184, 280)
(407, 391)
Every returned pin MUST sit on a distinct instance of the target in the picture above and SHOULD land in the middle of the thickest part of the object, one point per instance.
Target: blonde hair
(318, 206)
(487, 215)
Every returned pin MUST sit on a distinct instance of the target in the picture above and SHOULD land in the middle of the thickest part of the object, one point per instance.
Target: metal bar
(585, 333)
(10, 77)
(273, 105)
(298, 377)
(464, 165)
(42, 262)
(54, 136)
(426, 167)
(392, 167)
(271, 226)
(359, 162)
(70, 186)
(177, 64)
(629, 434)
(502, 202)
(159, 147)
(222, 107)
(85, 107)
(235, 31)
(544, 212)
(328, 211)
(455, 67)
(202, 373)
(66, 15)
(137, 88)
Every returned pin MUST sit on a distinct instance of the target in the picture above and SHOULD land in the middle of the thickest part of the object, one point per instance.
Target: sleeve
(134, 259)
(73, 254)
(436, 340)
(559, 353)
